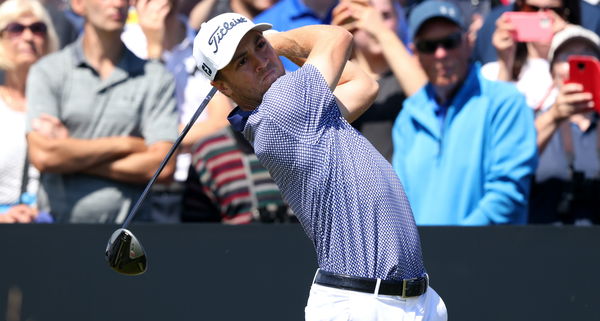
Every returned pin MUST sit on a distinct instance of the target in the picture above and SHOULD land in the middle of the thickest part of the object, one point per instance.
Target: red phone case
(531, 26)
(585, 70)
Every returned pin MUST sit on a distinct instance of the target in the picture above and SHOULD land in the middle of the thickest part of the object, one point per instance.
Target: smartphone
(531, 26)
(585, 70)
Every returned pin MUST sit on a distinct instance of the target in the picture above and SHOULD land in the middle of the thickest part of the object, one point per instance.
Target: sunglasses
(16, 29)
(563, 12)
(430, 46)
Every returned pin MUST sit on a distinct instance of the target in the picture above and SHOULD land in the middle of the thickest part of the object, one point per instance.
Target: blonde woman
(26, 35)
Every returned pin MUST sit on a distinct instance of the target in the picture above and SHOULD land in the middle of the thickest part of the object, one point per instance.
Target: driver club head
(125, 253)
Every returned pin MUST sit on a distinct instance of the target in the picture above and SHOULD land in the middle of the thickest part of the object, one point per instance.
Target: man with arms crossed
(100, 120)
(346, 196)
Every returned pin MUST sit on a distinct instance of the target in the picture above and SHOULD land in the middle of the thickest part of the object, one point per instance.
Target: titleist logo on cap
(221, 31)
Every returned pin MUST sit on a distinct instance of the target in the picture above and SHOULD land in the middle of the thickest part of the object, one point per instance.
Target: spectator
(567, 182)
(580, 12)
(207, 9)
(291, 14)
(99, 121)
(462, 140)
(162, 33)
(66, 30)
(26, 35)
(524, 63)
(380, 52)
(228, 184)
(473, 12)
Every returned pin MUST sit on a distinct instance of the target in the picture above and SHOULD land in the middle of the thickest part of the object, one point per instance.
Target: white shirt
(535, 82)
(12, 158)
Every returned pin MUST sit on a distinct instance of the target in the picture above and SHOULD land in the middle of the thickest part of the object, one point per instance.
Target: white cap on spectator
(218, 39)
(569, 33)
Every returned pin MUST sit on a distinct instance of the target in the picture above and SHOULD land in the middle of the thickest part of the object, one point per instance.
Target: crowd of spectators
(481, 129)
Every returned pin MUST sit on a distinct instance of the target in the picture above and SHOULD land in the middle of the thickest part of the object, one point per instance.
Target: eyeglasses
(430, 46)
(15, 29)
(563, 12)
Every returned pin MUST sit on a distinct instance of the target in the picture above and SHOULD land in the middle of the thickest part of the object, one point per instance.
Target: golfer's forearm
(72, 155)
(138, 168)
(356, 91)
(298, 44)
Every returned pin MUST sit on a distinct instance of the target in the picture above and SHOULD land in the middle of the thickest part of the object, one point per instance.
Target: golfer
(345, 194)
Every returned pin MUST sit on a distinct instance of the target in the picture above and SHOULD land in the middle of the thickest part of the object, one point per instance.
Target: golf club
(124, 252)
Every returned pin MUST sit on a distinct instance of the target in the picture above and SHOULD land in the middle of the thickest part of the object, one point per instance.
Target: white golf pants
(332, 304)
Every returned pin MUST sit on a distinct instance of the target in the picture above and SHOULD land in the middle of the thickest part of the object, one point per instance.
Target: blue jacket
(477, 170)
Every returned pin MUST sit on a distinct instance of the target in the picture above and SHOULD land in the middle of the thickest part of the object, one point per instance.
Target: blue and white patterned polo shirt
(345, 194)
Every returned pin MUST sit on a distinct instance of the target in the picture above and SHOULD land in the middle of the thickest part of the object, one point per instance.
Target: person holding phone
(567, 183)
(522, 41)
(579, 12)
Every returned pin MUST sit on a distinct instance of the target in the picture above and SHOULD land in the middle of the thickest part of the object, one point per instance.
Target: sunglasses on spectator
(531, 8)
(16, 29)
(430, 46)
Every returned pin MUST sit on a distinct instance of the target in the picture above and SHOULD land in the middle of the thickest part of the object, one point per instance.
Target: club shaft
(169, 155)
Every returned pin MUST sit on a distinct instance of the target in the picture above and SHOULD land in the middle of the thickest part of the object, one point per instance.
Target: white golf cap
(218, 39)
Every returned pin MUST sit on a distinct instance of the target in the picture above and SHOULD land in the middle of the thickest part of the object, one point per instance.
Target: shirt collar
(129, 62)
(78, 57)
(238, 118)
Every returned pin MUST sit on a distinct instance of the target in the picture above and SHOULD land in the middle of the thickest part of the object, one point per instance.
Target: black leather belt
(406, 288)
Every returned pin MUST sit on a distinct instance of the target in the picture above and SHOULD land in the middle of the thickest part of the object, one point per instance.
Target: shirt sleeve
(42, 92)
(301, 104)
(161, 117)
(513, 162)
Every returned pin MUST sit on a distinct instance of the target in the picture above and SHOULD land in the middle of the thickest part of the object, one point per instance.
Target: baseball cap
(218, 39)
(433, 9)
(572, 32)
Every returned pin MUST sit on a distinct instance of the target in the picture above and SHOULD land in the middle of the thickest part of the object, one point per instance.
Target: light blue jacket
(476, 168)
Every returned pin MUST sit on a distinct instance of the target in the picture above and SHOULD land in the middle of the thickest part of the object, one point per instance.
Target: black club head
(125, 254)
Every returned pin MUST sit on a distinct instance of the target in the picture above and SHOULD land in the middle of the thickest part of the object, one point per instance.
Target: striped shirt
(231, 177)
